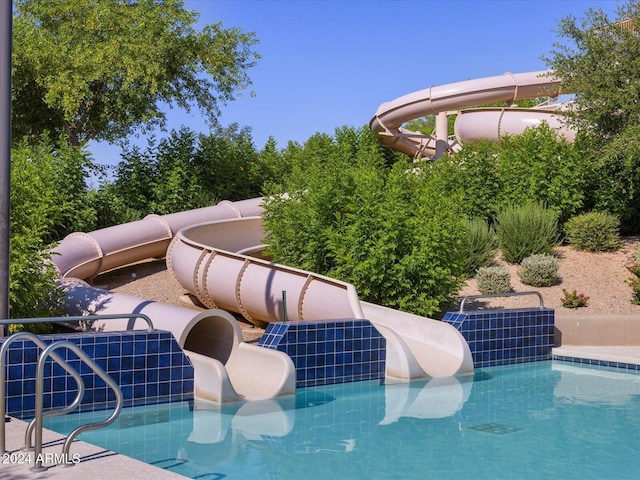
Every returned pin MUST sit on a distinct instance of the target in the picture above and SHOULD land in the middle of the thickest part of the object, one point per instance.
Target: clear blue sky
(328, 63)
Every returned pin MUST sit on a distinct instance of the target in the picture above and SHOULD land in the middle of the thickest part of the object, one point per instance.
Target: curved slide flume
(206, 252)
(486, 123)
(417, 347)
(226, 369)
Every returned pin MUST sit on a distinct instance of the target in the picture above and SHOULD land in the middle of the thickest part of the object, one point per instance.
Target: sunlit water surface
(528, 421)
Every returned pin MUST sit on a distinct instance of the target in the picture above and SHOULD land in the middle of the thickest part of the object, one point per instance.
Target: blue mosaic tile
(144, 377)
(501, 337)
(329, 352)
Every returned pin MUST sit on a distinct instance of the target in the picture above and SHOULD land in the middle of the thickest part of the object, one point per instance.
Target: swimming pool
(520, 421)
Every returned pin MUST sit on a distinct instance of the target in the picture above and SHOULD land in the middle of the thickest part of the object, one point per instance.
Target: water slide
(209, 261)
(214, 254)
(226, 368)
(471, 124)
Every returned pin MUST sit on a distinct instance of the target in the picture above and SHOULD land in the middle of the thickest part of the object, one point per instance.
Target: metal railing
(79, 318)
(3, 353)
(49, 351)
(494, 295)
(37, 421)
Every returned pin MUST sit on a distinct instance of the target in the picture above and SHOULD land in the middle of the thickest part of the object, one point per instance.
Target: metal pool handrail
(39, 462)
(26, 335)
(79, 318)
(3, 351)
(493, 295)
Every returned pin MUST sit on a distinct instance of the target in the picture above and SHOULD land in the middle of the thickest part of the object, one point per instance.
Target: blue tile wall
(502, 337)
(329, 352)
(149, 367)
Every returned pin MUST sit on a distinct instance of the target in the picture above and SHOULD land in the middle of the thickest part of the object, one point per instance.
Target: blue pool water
(527, 421)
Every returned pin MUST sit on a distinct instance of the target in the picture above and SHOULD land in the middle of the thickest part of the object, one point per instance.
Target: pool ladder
(49, 351)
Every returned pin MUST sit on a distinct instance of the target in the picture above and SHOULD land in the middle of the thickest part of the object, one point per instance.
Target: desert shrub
(573, 299)
(539, 270)
(493, 280)
(478, 245)
(526, 230)
(593, 231)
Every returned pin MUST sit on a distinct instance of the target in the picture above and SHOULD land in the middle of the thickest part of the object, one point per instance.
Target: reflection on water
(435, 398)
(588, 386)
(449, 427)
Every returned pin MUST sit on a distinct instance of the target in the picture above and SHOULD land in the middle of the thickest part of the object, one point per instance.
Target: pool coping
(623, 357)
(16, 463)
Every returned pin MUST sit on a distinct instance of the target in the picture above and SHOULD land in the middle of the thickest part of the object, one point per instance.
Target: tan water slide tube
(226, 368)
(208, 252)
(471, 124)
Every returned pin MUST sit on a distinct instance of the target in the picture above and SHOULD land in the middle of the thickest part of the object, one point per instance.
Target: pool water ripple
(522, 421)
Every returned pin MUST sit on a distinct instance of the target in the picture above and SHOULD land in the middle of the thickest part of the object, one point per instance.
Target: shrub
(478, 245)
(526, 230)
(474, 173)
(395, 235)
(593, 231)
(615, 177)
(539, 270)
(188, 170)
(35, 206)
(573, 299)
(493, 280)
(538, 165)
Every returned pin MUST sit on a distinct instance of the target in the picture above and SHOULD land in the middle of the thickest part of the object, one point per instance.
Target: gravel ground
(600, 276)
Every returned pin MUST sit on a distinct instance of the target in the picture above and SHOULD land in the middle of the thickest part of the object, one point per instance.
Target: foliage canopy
(392, 232)
(598, 59)
(102, 69)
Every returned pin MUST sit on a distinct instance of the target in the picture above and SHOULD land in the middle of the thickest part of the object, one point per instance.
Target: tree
(183, 171)
(599, 61)
(102, 69)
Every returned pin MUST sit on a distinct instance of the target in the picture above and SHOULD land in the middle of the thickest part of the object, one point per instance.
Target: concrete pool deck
(93, 462)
